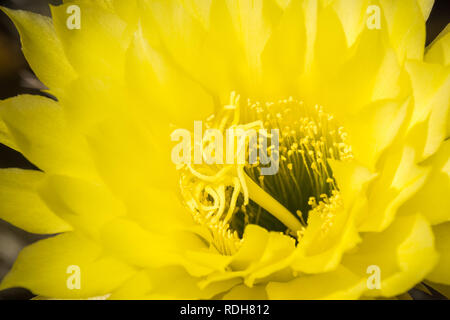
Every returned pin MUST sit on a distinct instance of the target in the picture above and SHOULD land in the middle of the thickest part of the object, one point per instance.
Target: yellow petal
(353, 17)
(322, 247)
(44, 268)
(130, 242)
(167, 211)
(432, 198)
(253, 22)
(425, 7)
(330, 38)
(404, 254)
(208, 259)
(262, 255)
(168, 283)
(406, 24)
(154, 79)
(359, 81)
(440, 273)
(337, 83)
(86, 206)
(431, 85)
(338, 284)
(6, 137)
(199, 9)
(352, 179)
(184, 40)
(102, 31)
(374, 128)
(88, 101)
(121, 140)
(439, 50)
(38, 129)
(135, 288)
(211, 54)
(242, 292)
(277, 256)
(325, 31)
(327, 238)
(20, 203)
(127, 10)
(42, 49)
(254, 241)
(400, 177)
(283, 58)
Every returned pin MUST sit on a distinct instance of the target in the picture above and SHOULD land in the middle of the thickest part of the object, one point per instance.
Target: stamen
(304, 184)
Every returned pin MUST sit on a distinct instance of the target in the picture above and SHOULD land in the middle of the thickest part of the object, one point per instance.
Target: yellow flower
(359, 206)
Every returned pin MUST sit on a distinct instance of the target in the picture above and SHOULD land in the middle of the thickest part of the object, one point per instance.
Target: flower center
(279, 174)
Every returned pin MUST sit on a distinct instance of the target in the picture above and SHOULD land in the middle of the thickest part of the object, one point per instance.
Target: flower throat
(227, 197)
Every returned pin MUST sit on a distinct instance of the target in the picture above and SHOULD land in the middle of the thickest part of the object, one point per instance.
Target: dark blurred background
(16, 78)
